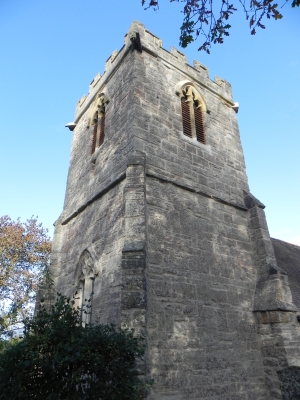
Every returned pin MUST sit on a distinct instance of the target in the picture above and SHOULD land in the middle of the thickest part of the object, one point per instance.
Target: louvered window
(98, 132)
(192, 115)
(199, 125)
(97, 120)
(102, 127)
(186, 118)
(95, 128)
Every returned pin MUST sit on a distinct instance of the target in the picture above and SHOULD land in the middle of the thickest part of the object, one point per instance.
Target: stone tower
(158, 222)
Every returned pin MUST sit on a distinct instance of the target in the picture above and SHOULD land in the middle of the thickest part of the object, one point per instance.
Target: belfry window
(192, 108)
(85, 277)
(98, 132)
(97, 121)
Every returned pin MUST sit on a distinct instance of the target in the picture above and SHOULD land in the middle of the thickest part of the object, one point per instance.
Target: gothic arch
(85, 275)
(85, 266)
(98, 109)
(180, 90)
(193, 108)
(97, 119)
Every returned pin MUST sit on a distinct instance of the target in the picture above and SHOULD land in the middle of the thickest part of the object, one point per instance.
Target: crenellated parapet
(150, 43)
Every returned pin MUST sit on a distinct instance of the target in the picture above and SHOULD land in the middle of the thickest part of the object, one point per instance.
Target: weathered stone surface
(288, 259)
(180, 249)
(290, 378)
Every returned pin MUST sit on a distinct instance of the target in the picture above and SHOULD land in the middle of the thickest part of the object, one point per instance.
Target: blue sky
(51, 51)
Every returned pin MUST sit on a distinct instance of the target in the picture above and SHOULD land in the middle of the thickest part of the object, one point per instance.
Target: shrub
(58, 358)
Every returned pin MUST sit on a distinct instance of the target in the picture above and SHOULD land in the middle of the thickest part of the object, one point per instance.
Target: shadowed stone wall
(100, 230)
(203, 340)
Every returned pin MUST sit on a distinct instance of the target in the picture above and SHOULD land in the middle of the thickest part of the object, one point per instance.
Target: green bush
(58, 358)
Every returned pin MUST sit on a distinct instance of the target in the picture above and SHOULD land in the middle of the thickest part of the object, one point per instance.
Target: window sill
(94, 156)
(195, 142)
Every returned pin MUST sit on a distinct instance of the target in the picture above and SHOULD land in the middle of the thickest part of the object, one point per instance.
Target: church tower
(159, 224)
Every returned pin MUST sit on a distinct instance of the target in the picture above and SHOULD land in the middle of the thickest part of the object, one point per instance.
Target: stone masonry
(164, 230)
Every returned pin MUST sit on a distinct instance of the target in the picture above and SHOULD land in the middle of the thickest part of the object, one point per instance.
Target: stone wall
(180, 248)
(217, 168)
(89, 175)
(202, 337)
(99, 229)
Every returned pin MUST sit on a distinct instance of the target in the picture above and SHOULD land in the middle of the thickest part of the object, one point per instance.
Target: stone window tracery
(84, 278)
(192, 109)
(97, 120)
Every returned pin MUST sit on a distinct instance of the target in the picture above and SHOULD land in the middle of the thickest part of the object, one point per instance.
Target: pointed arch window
(97, 120)
(84, 278)
(98, 132)
(192, 109)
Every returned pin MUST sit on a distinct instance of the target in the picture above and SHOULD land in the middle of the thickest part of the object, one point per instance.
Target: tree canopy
(24, 254)
(209, 19)
(59, 358)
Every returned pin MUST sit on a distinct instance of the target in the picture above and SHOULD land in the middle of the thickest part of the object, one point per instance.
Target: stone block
(133, 300)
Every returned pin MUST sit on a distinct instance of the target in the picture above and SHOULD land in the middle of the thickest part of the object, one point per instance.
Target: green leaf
(60, 359)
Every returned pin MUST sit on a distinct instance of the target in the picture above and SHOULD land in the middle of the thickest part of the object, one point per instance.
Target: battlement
(153, 45)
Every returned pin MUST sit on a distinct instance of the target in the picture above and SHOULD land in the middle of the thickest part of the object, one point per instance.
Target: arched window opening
(186, 118)
(85, 278)
(102, 127)
(199, 125)
(192, 107)
(94, 138)
(98, 133)
(86, 291)
(97, 120)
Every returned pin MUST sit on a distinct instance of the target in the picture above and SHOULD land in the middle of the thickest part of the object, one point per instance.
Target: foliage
(24, 253)
(209, 18)
(58, 358)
